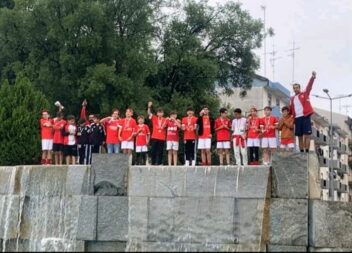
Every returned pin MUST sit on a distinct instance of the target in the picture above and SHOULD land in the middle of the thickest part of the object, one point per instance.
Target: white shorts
(204, 143)
(47, 144)
(253, 142)
(223, 145)
(127, 145)
(140, 149)
(284, 146)
(269, 143)
(172, 145)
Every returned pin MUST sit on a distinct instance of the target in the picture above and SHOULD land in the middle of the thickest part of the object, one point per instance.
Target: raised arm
(310, 83)
(83, 114)
(149, 111)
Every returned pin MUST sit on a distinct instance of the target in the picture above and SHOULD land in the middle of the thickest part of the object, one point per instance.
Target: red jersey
(128, 127)
(172, 131)
(46, 131)
(159, 128)
(142, 133)
(206, 128)
(112, 131)
(58, 125)
(269, 125)
(190, 128)
(253, 127)
(223, 134)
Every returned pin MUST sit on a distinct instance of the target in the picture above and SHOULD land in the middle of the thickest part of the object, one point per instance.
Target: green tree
(20, 107)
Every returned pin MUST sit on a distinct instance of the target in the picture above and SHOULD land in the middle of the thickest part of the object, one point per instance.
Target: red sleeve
(309, 86)
(83, 114)
(291, 106)
(147, 130)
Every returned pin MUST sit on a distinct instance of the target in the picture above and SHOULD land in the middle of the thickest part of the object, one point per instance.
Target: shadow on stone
(105, 188)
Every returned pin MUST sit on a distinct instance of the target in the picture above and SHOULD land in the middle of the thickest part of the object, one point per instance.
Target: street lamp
(331, 153)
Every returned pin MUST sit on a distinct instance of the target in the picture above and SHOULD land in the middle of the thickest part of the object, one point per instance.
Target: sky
(322, 30)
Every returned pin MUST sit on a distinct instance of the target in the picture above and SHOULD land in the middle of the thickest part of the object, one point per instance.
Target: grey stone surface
(230, 181)
(112, 246)
(112, 170)
(79, 180)
(112, 218)
(9, 211)
(138, 218)
(311, 249)
(289, 175)
(61, 245)
(7, 179)
(330, 224)
(314, 176)
(87, 221)
(289, 222)
(283, 248)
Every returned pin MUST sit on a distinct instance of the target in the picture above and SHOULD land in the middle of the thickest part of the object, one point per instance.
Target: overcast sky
(322, 30)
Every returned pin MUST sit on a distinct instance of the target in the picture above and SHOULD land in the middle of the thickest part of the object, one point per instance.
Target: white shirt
(71, 138)
(298, 106)
(239, 126)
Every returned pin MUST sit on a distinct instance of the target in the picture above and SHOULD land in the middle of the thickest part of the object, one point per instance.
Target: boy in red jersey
(172, 139)
(127, 133)
(58, 147)
(158, 135)
(142, 141)
(70, 140)
(205, 130)
(112, 126)
(268, 126)
(189, 126)
(253, 140)
(223, 135)
(46, 127)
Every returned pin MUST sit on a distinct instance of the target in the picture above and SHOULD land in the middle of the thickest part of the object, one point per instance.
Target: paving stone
(112, 246)
(138, 218)
(87, 222)
(284, 248)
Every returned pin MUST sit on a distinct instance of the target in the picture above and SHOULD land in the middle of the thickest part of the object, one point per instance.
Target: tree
(20, 107)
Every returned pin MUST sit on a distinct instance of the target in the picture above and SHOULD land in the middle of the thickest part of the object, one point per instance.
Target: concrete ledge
(113, 246)
(282, 248)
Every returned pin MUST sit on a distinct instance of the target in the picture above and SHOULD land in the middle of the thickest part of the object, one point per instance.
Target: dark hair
(223, 110)
(160, 110)
(45, 110)
(296, 84)
(115, 110)
(238, 110)
(190, 109)
(59, 114)
(205, 106)
(285, 108)
(268, 108)
(81, 121)
(140, 117)
(173, 113)
(97, 116)
(129, 109)
(70, 117)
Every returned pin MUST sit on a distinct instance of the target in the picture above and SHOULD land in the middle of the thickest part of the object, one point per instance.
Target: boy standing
(205, 129)
(127, 133)
(239, 125)
(189, 126)
(46, 126)
(253, 141)
(70, 140)
(97, 135)
(112, 126)
(158, 134)
(58, 147)
(142, 141)
(172, 138)
(84, 147)
(286, 126)
(223, 136)
(268, 126)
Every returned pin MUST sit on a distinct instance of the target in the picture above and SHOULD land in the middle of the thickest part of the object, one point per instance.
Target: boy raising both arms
(205, 129)
(223, 136)
(268, 126)
(142, 141)
(158, 134)
(189, 126)
(286, 126)
(46, 129)
(239, 127)
(172, 139)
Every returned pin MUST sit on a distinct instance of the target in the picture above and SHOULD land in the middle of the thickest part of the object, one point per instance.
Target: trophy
(59, 105)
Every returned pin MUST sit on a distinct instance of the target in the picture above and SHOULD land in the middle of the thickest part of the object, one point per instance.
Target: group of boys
(242, 133)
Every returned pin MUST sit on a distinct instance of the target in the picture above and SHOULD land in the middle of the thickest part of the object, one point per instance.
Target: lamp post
(331, 152)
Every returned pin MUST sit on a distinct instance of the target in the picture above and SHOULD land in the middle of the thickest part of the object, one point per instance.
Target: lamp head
(326, 91)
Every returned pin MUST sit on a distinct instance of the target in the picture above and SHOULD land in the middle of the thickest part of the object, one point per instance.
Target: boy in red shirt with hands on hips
(223, 136)
(172, 139)
(127, 133)
(268, 125)
(142, 141)
(189, 126)
(46, 129)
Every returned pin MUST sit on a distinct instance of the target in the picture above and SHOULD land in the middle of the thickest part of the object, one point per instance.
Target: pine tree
(20, 107)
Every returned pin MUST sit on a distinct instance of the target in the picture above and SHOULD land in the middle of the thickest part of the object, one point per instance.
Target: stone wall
(111, 207)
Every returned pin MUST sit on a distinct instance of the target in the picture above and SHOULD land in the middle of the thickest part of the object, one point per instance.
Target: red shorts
(287, 141)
